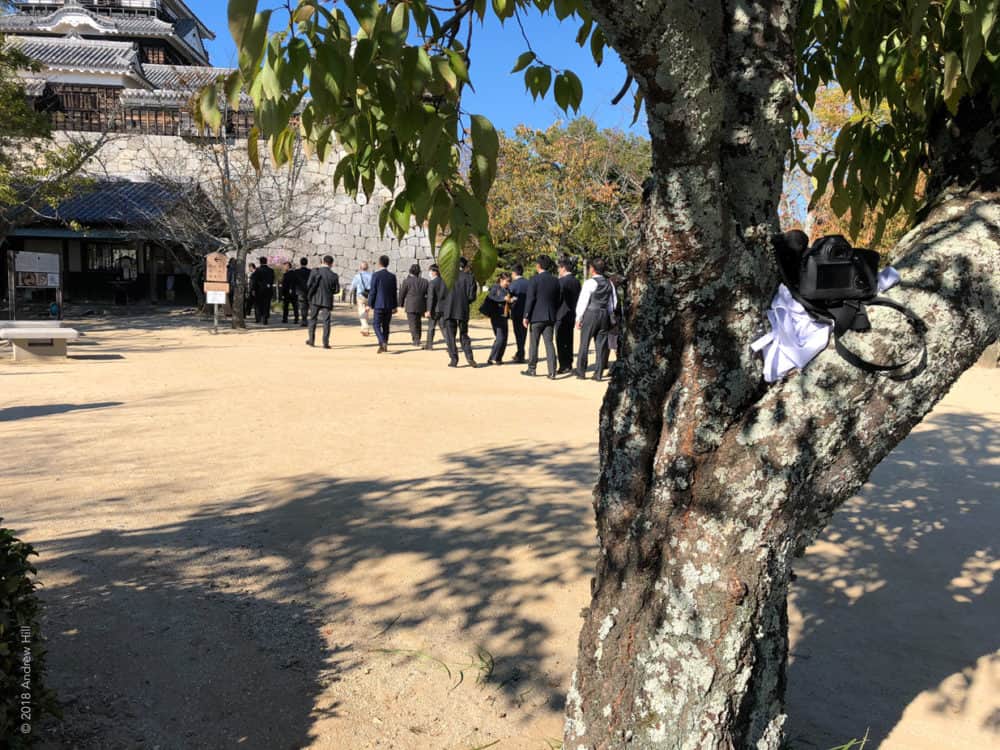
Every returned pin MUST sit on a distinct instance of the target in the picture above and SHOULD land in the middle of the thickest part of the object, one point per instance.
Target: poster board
(37, 270)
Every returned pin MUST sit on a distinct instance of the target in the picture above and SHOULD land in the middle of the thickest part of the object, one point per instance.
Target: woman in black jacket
(497, 307)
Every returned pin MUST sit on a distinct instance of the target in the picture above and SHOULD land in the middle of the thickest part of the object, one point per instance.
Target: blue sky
(499, 95)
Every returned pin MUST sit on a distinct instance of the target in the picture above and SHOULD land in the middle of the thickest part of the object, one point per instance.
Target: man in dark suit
(540, 312)
(519, 289)
(455, 311)
(436, 291)
(569, 287)
(295, 293)
(383, 300)
(413, 299)
(302, 289)
(262, 286)
(322, 286)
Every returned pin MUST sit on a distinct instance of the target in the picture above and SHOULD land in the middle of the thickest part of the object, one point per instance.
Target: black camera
(834, 270)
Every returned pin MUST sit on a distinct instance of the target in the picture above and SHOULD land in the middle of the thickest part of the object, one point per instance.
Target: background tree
(233, 206)
(571, 188)
(710, 482)
(36, 173)
(814, 210)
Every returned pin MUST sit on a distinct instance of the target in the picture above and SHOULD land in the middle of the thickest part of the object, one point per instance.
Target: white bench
(37, 339)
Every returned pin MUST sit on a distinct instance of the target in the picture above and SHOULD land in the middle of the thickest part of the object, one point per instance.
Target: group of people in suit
(543, 310)
(547, 309)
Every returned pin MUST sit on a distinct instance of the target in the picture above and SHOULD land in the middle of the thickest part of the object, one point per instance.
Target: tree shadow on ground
(896, 595)
(245, 612)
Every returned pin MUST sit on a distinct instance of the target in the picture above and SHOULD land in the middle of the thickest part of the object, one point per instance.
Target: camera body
(834, 270)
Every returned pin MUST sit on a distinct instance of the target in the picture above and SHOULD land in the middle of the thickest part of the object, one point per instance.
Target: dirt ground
(249, 543)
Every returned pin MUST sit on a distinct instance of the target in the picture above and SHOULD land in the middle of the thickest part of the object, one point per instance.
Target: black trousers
(432, 327)
(456, 331)
(262, 306)
(416, 321)
(542, 330)
(319, 314)
(500, 329)
(381, 322)
(564, 341)
(596, 325)
(520, 335)
(304, 311)
(290, 302)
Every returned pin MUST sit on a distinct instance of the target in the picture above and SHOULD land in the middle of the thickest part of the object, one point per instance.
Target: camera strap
(863, 364)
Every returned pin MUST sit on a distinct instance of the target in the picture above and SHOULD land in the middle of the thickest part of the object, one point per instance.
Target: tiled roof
(103, 23)
(182, 77)
(117, 203)
(67, 53)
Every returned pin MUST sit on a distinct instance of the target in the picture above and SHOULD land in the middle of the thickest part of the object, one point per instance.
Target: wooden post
(11, 289)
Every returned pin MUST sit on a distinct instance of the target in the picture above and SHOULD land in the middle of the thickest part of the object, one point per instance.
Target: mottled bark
(711, 483)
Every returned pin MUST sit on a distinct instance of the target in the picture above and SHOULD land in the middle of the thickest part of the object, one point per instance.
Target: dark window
(106, 257)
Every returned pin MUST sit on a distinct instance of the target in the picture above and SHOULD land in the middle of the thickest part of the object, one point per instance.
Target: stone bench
(37, 339)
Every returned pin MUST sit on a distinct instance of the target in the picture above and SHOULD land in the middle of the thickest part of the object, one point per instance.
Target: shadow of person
(892, 608)
(14, 413)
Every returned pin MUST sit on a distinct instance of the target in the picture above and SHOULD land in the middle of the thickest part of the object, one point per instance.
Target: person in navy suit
(383, 301)
(541, 310)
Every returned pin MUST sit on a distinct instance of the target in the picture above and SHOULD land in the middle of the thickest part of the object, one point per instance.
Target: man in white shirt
(594, 310)
(360, 287)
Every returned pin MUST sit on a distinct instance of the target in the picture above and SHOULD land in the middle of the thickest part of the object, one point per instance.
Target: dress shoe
(310, 343)
(471, 363)
(529, 372)
(453, 363)
(579, 375)
(551, 376)
(489, 363)
(326, 346)
(381, 348)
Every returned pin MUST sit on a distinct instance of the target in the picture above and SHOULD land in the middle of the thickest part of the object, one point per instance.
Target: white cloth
(588, 288)
(796, 337)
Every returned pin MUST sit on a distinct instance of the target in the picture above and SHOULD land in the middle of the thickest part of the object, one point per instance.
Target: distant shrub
(24, 701)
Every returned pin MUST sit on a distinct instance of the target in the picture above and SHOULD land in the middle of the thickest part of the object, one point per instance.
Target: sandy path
(248, 543)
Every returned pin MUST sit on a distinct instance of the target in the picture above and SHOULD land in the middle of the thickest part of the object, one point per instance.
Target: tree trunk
(711, 482)
(240, 289)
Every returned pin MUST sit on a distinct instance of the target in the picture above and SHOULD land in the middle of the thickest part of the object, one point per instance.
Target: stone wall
(342, 227)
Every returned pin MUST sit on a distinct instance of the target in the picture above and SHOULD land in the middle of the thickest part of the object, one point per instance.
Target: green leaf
(523, 61)
(458, 65)
(399, 23)
(208, 108)
(234, 87)
(952, 76)
(446, 72)
(447, 260)
(303, 13)
(484, 263)
(241, 15)
(253, 147)
(597, 45)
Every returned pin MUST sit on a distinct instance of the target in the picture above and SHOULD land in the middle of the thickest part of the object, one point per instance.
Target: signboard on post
(216, 282)
(216, 266)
